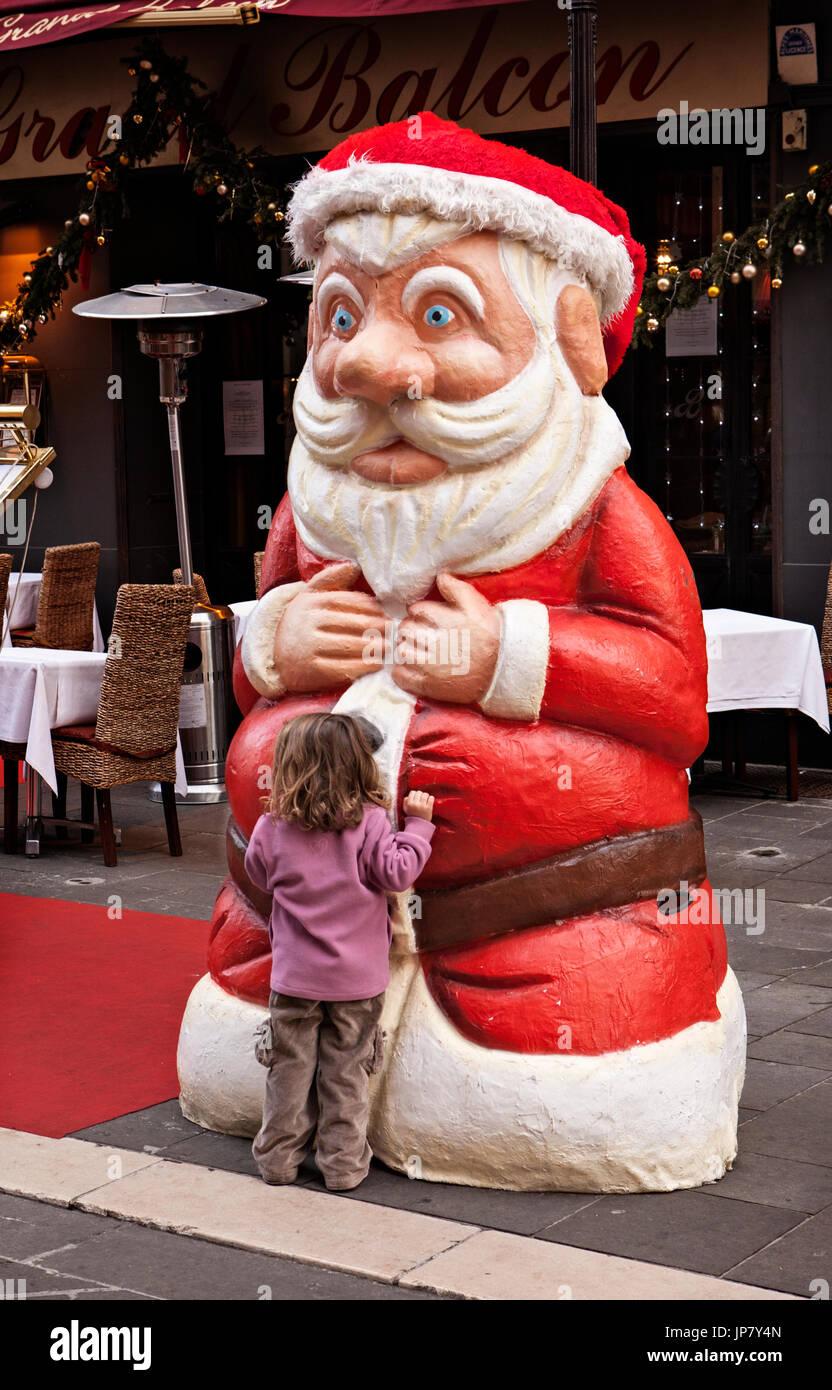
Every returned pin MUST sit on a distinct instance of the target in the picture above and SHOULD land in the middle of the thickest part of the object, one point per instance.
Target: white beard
(523, 464)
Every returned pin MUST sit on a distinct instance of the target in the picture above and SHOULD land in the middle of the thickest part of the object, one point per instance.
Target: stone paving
(767, 1223)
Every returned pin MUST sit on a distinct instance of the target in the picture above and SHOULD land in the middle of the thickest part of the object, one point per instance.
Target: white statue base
(446, 1110)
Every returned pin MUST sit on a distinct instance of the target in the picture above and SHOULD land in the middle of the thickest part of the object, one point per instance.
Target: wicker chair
(200, 588)
(66, 600)
(258, 570)
(5, 571)
(134, 736)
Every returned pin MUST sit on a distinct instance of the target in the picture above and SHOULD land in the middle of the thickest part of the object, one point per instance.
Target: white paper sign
(242, 416)
(193, 712)
(797, 53)
(692, 332)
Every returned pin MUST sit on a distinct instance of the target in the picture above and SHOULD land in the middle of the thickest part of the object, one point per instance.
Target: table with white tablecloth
(22, 605)
(760, 663)
(42, 690)
(756, 662)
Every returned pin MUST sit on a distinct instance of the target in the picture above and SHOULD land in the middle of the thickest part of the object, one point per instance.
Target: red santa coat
(622, 715)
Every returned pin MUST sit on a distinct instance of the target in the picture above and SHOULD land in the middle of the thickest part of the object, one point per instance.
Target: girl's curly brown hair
(324, 772)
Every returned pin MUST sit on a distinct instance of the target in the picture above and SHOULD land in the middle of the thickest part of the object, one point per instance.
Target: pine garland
(167, 103)
(798, 229)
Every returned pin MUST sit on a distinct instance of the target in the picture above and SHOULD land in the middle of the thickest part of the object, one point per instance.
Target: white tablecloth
(756, 662)
(242, 611)
(43, 690)
(25, 601)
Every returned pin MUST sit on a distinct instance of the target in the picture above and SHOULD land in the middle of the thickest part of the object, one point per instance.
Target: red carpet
(90, 1009)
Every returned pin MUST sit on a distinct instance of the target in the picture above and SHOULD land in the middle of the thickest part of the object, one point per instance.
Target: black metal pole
(582, 17)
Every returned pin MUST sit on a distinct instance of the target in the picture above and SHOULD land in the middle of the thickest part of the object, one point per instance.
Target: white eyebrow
(331, 287)
(444, 277)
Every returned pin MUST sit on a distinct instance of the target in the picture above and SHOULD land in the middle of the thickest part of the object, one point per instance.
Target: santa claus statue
(463, 559)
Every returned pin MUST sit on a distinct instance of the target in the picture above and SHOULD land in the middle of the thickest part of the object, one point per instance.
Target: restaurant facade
(726, 412)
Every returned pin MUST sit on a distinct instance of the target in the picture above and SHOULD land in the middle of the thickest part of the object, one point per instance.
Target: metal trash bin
(208, 714)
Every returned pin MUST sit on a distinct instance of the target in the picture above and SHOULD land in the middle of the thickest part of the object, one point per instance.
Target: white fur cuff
(257, 648)
(516, 689)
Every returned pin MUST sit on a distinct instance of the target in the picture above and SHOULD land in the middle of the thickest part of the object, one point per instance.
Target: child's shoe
(283, 1181)
(344, 1184)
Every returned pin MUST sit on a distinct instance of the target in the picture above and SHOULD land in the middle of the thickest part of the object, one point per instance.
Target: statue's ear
(579, 336)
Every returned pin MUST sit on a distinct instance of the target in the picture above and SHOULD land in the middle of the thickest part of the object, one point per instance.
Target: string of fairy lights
(694, 486)
(797, 231)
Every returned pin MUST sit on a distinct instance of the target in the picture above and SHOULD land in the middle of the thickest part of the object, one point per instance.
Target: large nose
(384, 360)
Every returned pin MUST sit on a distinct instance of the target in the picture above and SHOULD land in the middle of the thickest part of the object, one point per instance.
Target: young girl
(326, 853)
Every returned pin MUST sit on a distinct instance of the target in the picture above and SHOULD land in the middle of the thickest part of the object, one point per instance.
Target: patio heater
(170, 330)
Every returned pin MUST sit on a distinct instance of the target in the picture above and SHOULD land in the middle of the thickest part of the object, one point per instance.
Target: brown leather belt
(603, 874)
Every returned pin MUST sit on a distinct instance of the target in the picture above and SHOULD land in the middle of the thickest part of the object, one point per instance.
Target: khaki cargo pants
(320, 1055)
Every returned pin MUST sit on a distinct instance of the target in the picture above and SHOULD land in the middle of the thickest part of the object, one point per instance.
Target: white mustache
(462, 434)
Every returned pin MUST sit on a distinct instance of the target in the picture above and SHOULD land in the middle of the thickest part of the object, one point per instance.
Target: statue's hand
(329, 635)
(448, 651)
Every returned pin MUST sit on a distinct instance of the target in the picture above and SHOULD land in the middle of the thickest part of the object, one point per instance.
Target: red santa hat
(426, 164)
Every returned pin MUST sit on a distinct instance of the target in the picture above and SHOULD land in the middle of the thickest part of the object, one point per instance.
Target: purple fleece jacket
(329, 927)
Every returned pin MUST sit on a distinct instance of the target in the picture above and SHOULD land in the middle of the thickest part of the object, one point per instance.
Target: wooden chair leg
(792, 768)
(10, 810)
(740, 762)
(105, 825)
(59, 804)
(171, 818)
(727, 745)
(87, 813)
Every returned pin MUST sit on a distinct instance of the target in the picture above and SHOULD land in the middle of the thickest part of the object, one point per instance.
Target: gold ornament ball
(137, 119)
(652, 325)
(27, 279)
(84, 219)
(662, 283)
(146, 64)
(799, 249)
(281, 216)
(639, 310)
(50, 251)
(673, 270)
(154, 77)
(713, 291)
(811, 196)
(727, 237)
(101, 239)
(762, 242)
(90, 184)
(749, 270)
(132, 72)
(788, 197)
(776, 282)
(124, 159)
(222, 189)
(272, 207)
(813, 169)
(735, 277)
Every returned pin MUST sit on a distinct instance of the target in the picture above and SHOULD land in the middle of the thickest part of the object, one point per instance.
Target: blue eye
(342, 321)
(438, 316)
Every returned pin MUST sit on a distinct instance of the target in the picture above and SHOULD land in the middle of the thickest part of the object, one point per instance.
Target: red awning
(52, 21)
